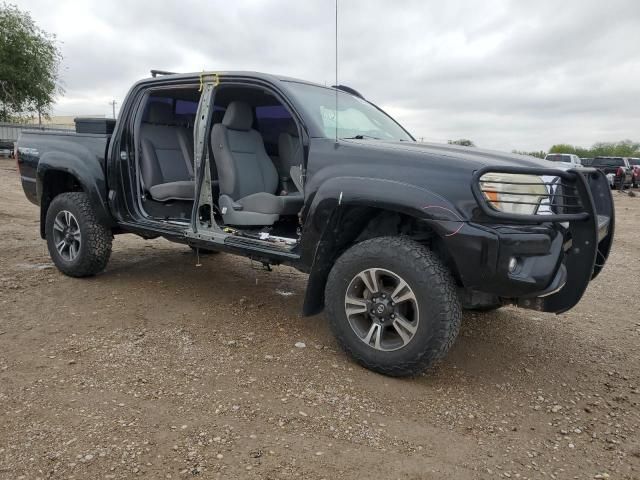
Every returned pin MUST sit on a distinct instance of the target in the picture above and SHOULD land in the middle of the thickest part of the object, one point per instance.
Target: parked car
(566, 159)
(635, 164)
(617, 170)
(396, 235)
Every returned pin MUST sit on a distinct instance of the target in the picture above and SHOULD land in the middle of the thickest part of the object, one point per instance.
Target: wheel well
(363, 223)
(354, 224)
(54, 183)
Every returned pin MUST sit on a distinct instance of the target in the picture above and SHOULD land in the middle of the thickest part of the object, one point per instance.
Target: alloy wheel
(66, 235)
(382, 309)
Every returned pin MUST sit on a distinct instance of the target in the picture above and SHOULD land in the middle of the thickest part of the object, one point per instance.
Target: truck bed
(56, 147)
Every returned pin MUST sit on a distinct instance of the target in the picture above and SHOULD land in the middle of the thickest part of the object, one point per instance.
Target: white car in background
(566, 159)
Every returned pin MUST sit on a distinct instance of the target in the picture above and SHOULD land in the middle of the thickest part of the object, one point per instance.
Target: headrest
(238, 116)
(159, 112)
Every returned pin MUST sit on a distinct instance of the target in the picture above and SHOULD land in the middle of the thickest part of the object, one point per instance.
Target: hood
(471, 158)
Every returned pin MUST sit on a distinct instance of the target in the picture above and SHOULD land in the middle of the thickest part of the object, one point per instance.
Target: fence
(9, 132)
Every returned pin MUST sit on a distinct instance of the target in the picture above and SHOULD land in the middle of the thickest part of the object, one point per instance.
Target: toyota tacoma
(396, 236)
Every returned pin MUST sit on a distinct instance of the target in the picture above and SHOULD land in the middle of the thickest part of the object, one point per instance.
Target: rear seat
(167, 155)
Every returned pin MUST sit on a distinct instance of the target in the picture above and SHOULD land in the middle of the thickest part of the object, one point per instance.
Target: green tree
(562, 148)
(623, 148)
(465, 142)
(29, 65)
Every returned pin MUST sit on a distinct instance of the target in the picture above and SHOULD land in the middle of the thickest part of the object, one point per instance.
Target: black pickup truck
(396, 236)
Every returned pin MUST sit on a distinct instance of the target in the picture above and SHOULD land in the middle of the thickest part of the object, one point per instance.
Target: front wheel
(79, 245)
(392, 305)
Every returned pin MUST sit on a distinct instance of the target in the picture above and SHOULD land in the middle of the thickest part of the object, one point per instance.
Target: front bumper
(556, 255)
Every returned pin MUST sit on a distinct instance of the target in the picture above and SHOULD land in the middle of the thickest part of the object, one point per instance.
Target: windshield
(356, 118)
(634, 161)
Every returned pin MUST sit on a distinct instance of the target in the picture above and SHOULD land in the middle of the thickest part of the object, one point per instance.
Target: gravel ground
(160, 368)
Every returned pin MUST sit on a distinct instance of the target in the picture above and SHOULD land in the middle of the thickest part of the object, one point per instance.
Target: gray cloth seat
(180, 190)
(247, 177)
(291, 156)
(167, 155)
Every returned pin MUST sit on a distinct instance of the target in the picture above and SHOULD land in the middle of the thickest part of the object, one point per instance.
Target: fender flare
(324, 216)
(87, 171)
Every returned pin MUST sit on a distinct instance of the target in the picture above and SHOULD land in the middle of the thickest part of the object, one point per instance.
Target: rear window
(186, 107)
(557, 157)
(608, 162)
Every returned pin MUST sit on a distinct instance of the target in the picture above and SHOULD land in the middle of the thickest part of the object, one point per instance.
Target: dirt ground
(159, 368)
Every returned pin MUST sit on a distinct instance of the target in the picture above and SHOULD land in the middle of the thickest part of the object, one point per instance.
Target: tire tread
(433, 274)
(96, 236)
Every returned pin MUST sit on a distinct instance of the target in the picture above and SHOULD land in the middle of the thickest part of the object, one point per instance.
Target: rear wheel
(79, 245)
(392, 305)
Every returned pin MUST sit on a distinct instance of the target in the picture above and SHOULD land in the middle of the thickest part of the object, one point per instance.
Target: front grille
(565, 198)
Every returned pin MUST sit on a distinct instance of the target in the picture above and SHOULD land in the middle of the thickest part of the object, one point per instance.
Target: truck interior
(256, 172)
(165, 161)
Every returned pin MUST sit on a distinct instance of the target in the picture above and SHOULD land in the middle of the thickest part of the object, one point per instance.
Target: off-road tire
(96, 238)
(435, 290)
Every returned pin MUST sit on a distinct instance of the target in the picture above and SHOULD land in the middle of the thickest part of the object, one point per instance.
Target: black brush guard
(581, 204)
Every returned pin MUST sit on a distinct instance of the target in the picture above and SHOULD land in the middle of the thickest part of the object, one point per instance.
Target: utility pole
(113, 107)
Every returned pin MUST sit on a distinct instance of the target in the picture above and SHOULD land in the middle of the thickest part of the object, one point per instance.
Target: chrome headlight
(514, 192)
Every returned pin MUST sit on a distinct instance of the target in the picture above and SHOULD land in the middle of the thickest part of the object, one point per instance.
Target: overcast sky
(506, 74)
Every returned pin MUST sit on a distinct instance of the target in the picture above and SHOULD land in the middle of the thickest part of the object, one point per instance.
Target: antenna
(336, 87)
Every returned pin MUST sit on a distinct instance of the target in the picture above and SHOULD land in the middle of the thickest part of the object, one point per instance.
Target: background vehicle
(617, 169)
(586, 161)
(635, 165)
(396, 236)
(565, 159)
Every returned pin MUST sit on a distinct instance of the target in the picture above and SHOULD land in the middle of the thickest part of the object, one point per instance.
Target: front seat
(248, 179)
(291, 156)
(167, 155)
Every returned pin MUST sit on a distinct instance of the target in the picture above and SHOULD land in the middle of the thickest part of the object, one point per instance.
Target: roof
(237, 73)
